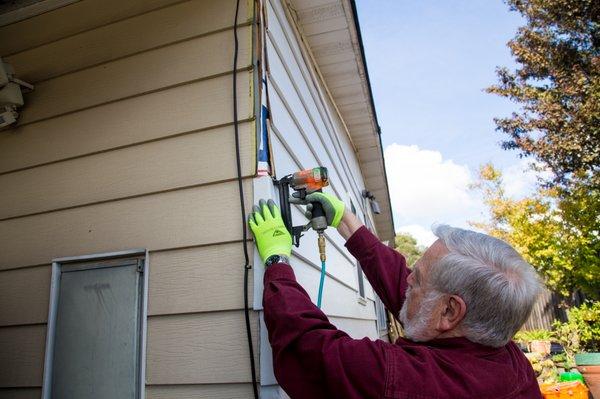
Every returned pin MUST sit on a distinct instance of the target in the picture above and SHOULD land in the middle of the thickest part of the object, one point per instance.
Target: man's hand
(333, 207)
(336, 213)
(270, 233)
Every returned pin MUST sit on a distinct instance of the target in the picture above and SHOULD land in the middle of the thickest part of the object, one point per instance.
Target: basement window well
(96, 327)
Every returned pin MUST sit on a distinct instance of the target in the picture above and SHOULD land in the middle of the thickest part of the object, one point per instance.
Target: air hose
(320, 297)
(323, 270)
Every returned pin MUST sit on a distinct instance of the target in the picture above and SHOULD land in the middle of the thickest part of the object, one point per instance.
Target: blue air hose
(321, 283)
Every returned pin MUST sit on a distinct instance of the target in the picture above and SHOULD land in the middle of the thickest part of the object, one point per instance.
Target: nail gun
(303, 183)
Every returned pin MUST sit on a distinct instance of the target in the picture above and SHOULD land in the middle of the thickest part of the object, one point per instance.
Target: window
(96, 327)
(361, 280)
(382, 319)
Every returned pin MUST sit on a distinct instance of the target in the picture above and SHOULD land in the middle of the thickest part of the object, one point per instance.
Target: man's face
(418, 310)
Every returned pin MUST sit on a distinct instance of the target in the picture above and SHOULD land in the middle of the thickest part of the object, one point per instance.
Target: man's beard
(417, 328)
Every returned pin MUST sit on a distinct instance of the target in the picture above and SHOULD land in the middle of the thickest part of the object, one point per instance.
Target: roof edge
(372, 102)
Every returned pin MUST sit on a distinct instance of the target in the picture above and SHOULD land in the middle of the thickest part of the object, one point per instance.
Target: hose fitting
(321, 242)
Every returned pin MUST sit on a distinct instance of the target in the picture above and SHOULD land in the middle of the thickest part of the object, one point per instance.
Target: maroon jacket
(313, 359)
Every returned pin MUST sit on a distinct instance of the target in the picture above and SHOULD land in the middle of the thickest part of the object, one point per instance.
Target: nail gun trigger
(296, 234)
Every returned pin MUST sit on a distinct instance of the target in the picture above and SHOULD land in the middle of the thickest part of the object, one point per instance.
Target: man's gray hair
(497, 285)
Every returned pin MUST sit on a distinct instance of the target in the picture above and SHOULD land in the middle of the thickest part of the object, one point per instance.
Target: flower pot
(540, 346)
(588, 364)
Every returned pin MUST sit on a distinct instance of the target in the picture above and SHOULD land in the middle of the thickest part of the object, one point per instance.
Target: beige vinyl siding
(141, 169)
(177, 276)
(157, 69)
(180, 110)
(162, 27)
(67, 21)
(127, 142)
(20, 393)
(180, 347)
(171, 219)
(24, 295)
(22, 354)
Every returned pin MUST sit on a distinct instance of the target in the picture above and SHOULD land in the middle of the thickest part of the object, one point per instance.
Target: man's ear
(453, 311)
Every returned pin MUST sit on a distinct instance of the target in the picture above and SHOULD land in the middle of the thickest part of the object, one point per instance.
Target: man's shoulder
(455, 368)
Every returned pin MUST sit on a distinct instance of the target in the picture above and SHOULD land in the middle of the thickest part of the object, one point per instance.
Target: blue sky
(429, 62)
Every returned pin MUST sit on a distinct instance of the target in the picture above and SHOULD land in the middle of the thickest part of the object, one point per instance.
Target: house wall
(305, 132)
(127, 142)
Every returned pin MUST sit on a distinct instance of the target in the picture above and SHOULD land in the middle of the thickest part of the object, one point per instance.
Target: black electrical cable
(247, 266)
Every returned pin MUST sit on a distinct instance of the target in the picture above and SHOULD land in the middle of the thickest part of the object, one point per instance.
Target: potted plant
(580, 336)
(538, 341)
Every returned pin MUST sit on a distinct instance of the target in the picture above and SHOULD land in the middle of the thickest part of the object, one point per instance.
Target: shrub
(534, 335)
(581, 333)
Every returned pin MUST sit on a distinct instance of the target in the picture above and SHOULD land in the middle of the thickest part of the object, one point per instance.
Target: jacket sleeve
(311, 357)
(384, 267)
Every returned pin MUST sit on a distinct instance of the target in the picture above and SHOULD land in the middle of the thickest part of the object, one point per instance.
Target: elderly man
(460, 305)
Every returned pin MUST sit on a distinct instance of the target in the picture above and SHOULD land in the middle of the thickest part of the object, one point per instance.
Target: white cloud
(519, 180)
(425, 188)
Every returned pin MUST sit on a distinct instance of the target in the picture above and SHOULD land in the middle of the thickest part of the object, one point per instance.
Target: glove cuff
(338, 216)
(283, 251)
(277, 259)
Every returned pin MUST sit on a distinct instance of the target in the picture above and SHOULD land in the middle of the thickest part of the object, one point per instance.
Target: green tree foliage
(406, 244)
(547, 231)
(557, 84)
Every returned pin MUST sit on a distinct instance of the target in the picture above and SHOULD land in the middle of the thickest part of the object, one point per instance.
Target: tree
(557, 84)
(547, 231)
(406, 244)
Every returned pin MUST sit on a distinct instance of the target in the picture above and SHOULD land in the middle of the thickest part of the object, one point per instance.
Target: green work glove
(333, 207)
(270, 233)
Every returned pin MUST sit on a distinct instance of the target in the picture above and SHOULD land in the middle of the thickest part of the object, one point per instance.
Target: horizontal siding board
(197, 279)
(338, 300)
(24, 295)
(200, 348)
(69, 20)
(144, 32)
(22, 354)
(141, 73)
(300, 140)
(20, 393)
(357, 328)
(208, 391)
(173, 111)
(177, 162)
(161, 221)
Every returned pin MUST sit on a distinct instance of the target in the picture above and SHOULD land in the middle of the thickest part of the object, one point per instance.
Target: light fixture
(374, 204)
(11, 97)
